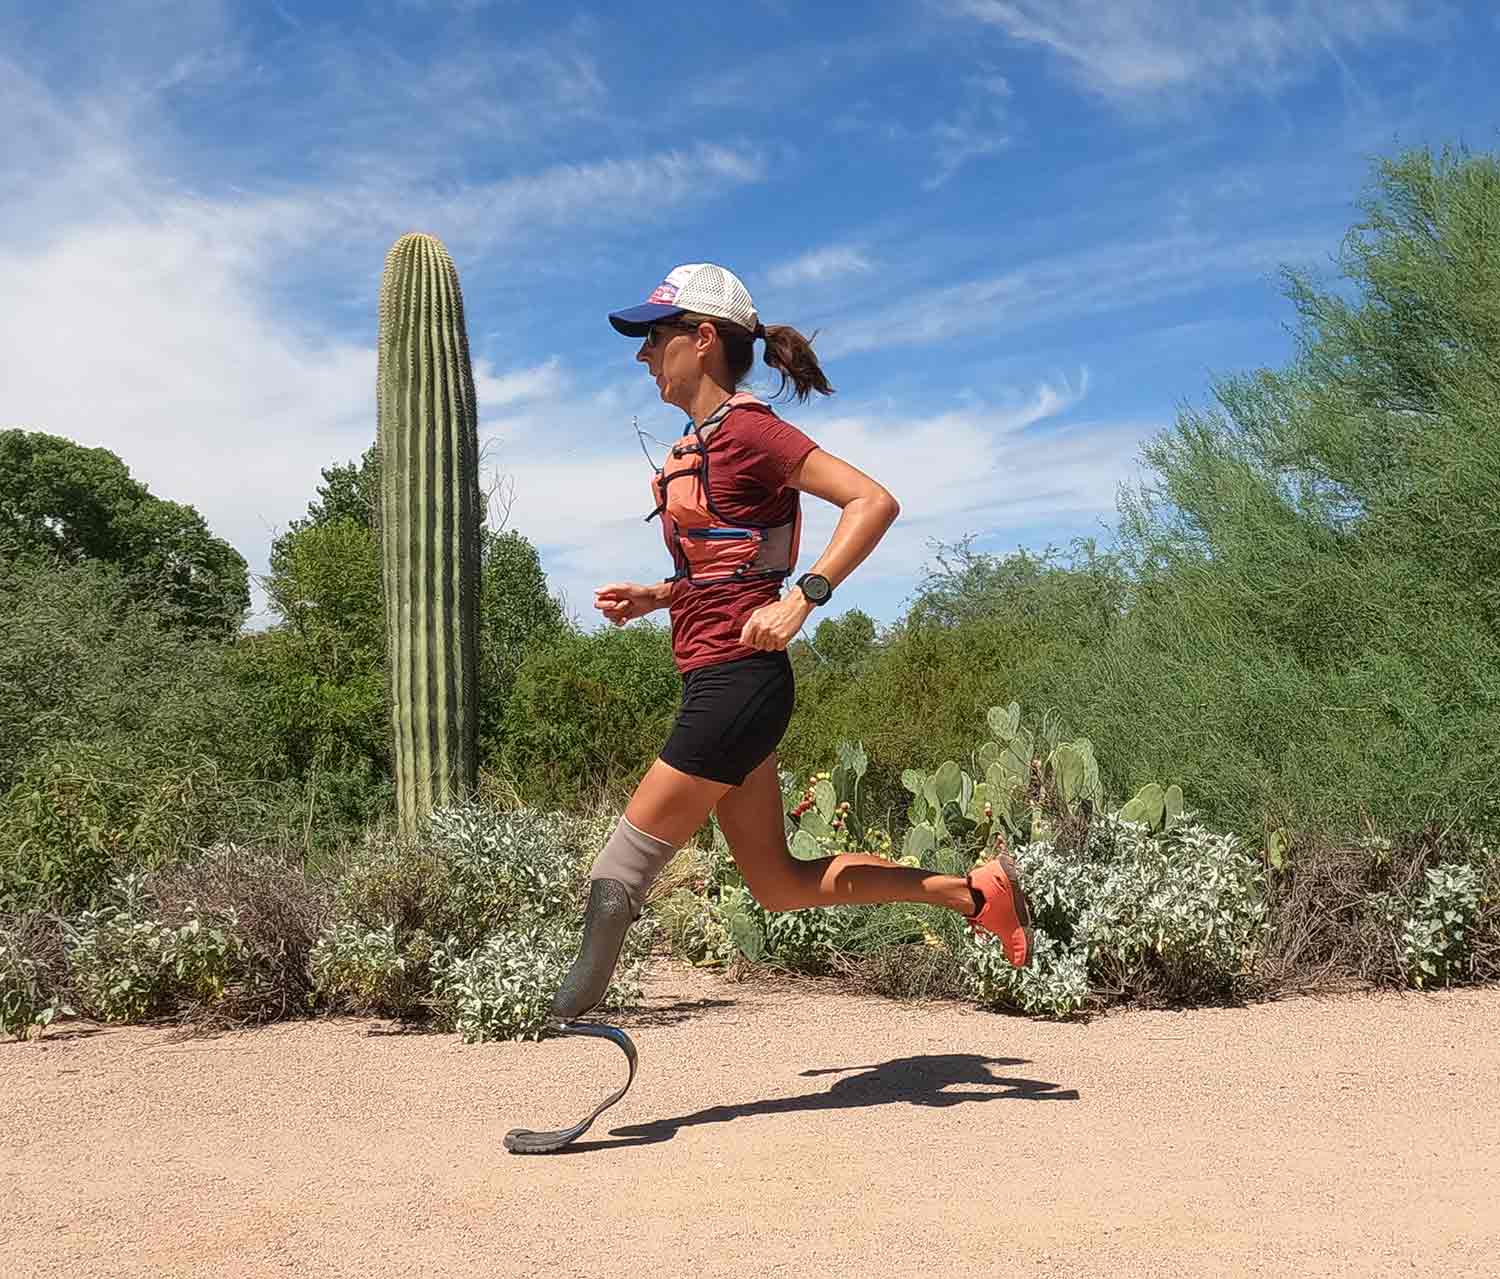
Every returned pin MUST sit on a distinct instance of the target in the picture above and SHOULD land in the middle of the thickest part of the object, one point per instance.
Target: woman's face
(670, 354)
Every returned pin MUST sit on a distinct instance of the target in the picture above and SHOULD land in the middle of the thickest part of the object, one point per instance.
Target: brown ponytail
(791, 355)
(787, 351)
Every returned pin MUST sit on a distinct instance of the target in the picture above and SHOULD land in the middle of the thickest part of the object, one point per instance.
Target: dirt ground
(796, 1131)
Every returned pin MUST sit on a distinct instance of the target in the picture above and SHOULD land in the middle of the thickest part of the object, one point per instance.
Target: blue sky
(1026, 232)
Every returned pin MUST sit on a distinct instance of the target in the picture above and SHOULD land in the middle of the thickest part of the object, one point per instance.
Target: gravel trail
(793, 1131)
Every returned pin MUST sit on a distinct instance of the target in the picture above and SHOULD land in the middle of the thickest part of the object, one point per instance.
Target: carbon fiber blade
(524, 1141)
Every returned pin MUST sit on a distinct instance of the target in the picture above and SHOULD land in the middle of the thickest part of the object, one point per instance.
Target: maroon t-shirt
(751, 455)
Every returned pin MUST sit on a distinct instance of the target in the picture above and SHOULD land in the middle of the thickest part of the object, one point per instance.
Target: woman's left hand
(772, 626)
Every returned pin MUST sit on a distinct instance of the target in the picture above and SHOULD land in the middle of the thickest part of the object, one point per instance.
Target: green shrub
(81, 659)
(128, 965)
(474, 923)
(1054, 984)
(694, 928)
(224, 939)
(63, 502)
(504, 988)
(1164, 917)
(1432, 922)
(588, 713)
(84, 812)
(1437, 939)
(264, 899)
(374, 970)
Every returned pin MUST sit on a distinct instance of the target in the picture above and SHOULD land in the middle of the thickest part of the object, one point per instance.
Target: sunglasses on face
(654, 333)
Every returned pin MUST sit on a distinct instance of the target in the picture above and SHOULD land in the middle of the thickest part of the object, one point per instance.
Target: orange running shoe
(1005, 912)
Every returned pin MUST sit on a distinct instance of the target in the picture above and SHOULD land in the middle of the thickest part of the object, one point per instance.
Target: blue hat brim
(636, 321)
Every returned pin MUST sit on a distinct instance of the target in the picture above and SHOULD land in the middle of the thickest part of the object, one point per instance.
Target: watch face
(817, 589)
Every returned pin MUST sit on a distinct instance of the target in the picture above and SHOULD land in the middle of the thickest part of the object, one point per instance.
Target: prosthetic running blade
(523, 1141)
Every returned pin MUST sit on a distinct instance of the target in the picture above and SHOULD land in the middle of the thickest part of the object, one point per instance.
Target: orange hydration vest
(706, 545)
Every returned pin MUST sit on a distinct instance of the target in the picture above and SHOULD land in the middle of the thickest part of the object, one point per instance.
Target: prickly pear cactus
(430, 516)
(1156, 809)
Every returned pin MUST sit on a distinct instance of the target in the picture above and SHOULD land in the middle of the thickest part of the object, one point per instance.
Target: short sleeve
(774, 450)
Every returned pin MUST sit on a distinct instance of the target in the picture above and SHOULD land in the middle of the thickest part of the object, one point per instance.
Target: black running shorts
(733, 715)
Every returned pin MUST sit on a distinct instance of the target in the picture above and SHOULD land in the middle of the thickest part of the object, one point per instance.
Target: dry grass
(279, 913)
(1325, 935)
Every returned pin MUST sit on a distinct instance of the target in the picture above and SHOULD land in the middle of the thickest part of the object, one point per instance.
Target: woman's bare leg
(671, 804)
(753, 822)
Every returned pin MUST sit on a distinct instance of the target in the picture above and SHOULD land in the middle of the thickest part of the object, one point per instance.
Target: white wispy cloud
(978, 129)
(1106, 278)
(820, 265)
(370, 98)
(1126, 48)
(478, 218)
(497, 390)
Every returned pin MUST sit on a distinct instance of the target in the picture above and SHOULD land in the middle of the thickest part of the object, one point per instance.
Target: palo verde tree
(1315, 632)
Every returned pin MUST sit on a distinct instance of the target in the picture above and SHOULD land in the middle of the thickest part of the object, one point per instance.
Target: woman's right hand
(622, 602)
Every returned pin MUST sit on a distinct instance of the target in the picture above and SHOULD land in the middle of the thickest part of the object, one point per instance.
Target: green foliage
(272, 910)
(517, 614)
(61, 500)
(978, 635)
(1314, 633)
(833, 813)
(695, 929)
(81, 814)
(325, 582)
(374, 970)
(1054, 984)
(1438, 926)
(319, 680)
(504, 989)
(1084, 593)
(349, 491)
(127, 965)
(844, 642)
(1159, 917)
(714, 929)
(1154, 808)
(1025, 786)
(589, 713)
(473, 924)
(81, 660)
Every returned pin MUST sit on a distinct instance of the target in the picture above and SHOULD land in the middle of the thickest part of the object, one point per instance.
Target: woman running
(729, 500)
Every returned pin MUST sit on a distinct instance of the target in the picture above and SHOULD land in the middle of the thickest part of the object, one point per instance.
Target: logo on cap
(664, 293)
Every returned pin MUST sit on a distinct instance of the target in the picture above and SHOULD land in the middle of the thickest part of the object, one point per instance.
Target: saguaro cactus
(429, 526)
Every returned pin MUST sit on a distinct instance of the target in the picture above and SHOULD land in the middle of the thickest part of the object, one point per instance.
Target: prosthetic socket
(620, 878)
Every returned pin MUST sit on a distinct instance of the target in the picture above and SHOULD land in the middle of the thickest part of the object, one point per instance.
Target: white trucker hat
(700, 288)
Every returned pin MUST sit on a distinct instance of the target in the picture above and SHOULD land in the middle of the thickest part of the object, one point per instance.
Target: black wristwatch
(815, 587)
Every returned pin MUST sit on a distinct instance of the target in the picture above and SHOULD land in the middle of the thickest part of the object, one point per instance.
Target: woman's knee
(786, 887)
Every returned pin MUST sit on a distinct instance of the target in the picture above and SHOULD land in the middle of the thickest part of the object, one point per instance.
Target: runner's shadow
(918, 1081)
(669, 1014)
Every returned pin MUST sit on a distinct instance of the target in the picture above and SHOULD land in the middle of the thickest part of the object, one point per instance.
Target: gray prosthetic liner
(634, 859)
(622, 874)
